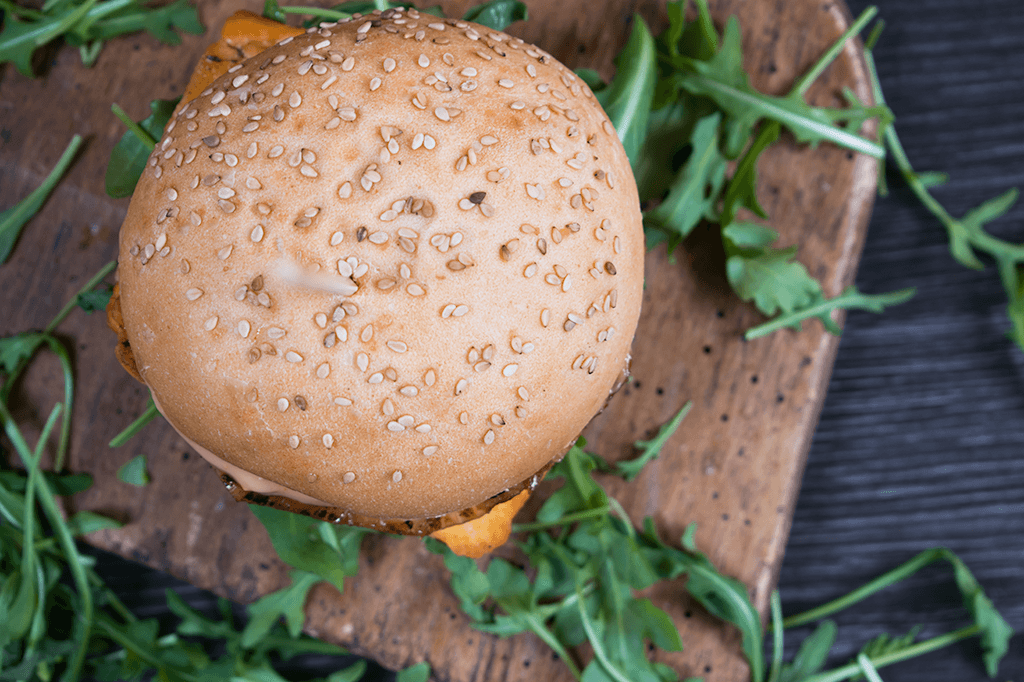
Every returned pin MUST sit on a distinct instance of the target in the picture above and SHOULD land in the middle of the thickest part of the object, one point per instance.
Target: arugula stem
(49, 504)
(615, 507)
(23, 210)
(777, 637)
(820, 308)
(137, 130)
(597, 645)
(566, 520)
(928, 645)
(136, 426)
(867, 668)
(805, 81)
(69, 395)
(538, 628)
(793, 121)
(89, 286)
(897, 574)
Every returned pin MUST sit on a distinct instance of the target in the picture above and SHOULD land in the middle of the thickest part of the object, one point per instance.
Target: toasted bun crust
(394, 264)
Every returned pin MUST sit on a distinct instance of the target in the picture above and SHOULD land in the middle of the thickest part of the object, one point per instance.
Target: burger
(383, 271)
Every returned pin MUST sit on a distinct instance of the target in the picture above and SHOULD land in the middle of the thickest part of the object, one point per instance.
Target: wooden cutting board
(734, 467)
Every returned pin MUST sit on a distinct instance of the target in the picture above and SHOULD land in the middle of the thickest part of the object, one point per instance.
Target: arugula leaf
(128, 158)
(88, 24)
(850, 299)
(417, 673)
(650, 449)
(812, 655)
(627, 100)
(767, 276)
(91, 301)
(288, 602)
(497, 14)
(297, 540)
(133, 472)
(85, 522)
(742, 188)
(693, 192)
(14, 219)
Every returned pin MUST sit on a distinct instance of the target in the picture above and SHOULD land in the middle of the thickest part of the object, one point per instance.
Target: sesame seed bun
(392, 266)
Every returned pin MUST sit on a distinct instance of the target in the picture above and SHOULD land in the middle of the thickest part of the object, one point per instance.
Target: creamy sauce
(248, 481)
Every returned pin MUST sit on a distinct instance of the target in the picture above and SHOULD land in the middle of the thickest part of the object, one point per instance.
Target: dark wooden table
(920, 439)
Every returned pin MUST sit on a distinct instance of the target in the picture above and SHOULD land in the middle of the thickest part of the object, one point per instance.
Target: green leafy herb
(967, 235)
(650, 449)
(288, 602)
(128, 158)
(586, 562)
(87, 24)
(91, 301)
(417, 673)
(14, 219)
(147, 416)
(133, 472)
(329, 551)
(497, 14)
(627, 100)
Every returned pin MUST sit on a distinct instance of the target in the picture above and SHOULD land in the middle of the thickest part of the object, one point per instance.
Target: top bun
(393, 264)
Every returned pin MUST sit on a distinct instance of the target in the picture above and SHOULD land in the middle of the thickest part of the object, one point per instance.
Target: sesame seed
(535, 191)
(460, 310)
(244, 328)
(460, 386)
(282, 404)
(545, 317)
(348, 64)
(225, 252)
(523, 393)
(374, 83)
(517, 105)
(442, 114)
(292, 356)
(275, 333)
(217, 97)
(294, 441)
(429, 142)
(397, 476)
(193, 294)
(345, 190)
(567, 283)
(489, 437)
(415, 290)
(362, 361)
(482, 366)
(210, 323)
(510, 370)
(375, 378)
(327, 83)
(389, 64)
(398, 346)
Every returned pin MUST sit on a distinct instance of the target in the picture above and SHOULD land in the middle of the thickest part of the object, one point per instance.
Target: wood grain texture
(734, 467)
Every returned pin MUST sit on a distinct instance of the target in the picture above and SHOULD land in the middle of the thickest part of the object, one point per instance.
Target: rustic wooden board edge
(159, 545)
